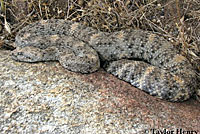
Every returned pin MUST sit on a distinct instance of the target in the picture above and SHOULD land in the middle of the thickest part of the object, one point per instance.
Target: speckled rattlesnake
(162, 71)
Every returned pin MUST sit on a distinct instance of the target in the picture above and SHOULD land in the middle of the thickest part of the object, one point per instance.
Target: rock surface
(44, 98)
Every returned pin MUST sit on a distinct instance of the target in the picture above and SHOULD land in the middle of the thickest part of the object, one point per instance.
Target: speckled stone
(44, 98)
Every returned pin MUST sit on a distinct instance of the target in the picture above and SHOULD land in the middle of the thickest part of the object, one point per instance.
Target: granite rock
(45, 98)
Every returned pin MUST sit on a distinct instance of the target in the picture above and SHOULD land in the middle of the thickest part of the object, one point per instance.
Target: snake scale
(145, 60)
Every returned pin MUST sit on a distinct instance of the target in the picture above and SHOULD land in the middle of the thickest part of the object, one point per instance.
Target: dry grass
(176, 20)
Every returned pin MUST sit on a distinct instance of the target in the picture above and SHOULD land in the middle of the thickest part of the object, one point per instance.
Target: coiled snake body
(159, 69)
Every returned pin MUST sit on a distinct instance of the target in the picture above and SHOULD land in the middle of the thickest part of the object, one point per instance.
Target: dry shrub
(176, 20)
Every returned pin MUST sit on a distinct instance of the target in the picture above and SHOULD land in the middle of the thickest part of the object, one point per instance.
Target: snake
(144, 59)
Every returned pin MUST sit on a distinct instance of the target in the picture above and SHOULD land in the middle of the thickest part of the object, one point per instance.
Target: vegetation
(176, 20)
